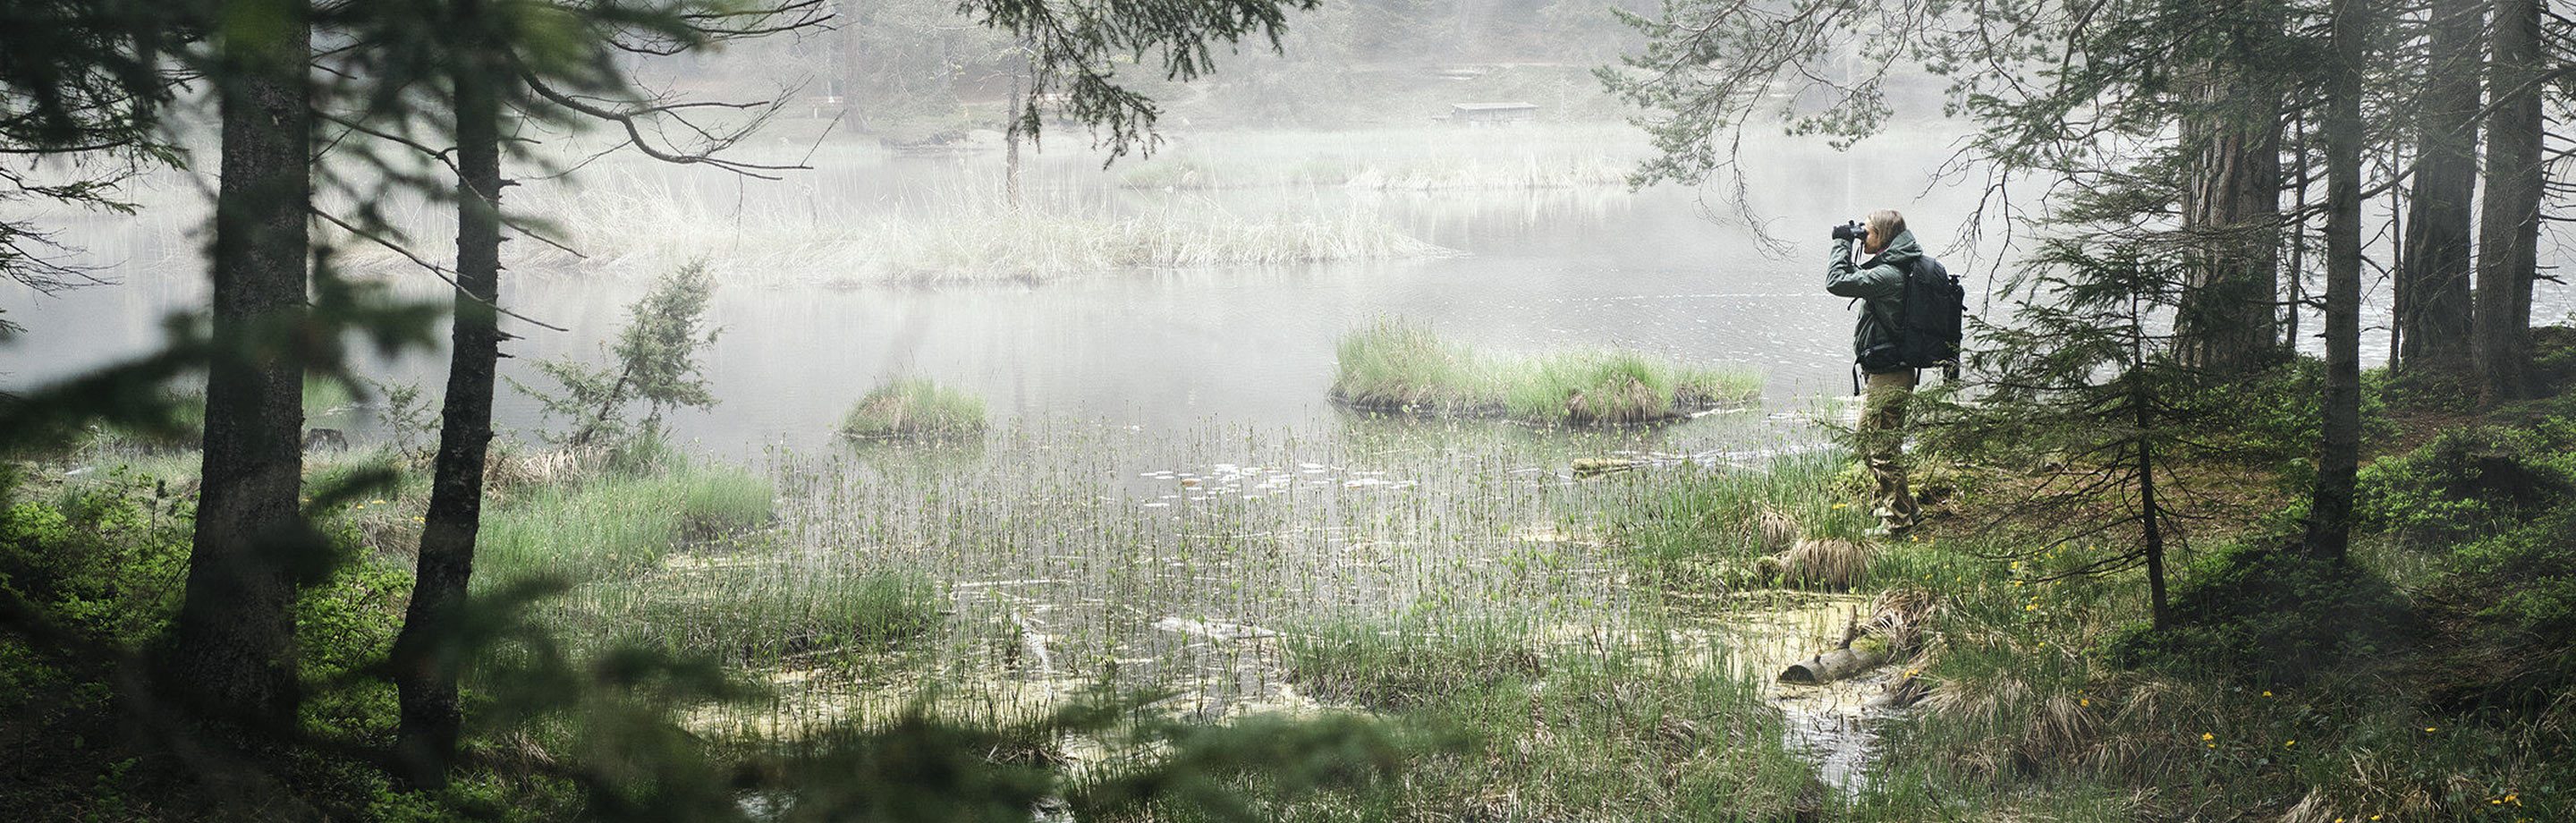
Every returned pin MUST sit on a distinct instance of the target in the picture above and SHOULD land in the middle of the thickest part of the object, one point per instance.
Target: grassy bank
(1555, 725)
(2419, 683)
(1398, 366)
(679, 558)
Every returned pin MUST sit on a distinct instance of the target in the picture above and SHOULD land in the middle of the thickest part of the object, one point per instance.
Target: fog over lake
(1518, 268)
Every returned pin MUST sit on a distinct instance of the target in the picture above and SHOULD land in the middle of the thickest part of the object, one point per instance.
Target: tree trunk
(1011, 150)
(2509, 222)
(2329, 527)
(2296, 277)
(2434, 324)
(2150, 516)
(2225, 320)
(234, 641)
(426, 659)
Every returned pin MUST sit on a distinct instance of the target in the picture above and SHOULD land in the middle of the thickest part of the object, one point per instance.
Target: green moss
(2272, 616)
(2467, 482)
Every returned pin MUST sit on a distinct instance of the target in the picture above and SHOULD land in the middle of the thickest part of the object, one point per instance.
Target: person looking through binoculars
(1878, 283)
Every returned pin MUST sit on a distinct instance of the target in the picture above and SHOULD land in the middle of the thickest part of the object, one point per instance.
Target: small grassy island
(914, 408)
(1399, 366)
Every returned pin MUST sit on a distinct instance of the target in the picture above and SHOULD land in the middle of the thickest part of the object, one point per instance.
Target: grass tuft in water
(914, 408)
(617, 524)
(1402, 366)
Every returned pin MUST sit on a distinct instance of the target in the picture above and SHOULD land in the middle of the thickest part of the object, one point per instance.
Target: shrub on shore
(1396, 365)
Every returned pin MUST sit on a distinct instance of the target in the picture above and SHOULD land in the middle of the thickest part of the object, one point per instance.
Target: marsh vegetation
(1400, 366)
(914, 407)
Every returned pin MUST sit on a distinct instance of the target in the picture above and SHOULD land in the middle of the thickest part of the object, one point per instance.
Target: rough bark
(234, 641)
(2509, 218)
(2433, 325)
(426, 660)
(2231, 208)
(2329, 526)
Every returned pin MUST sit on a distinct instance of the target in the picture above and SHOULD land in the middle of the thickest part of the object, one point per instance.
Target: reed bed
(1398, 366)
(1439, 158)
(966, 235)
(1445, 576)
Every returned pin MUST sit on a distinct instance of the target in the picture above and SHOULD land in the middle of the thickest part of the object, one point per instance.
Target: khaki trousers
(1882, 440)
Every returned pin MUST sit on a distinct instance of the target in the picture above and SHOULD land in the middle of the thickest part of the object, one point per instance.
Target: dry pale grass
(1622, 401)
(1776, 530)
(510, 470)
(2314, 808)
(1828, 563)
(2388, 785)
(2129, 727)
(1901, 617)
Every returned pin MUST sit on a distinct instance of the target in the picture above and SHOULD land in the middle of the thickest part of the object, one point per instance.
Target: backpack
(1936, 309)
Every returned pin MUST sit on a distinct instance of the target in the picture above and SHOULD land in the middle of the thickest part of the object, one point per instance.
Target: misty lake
(1524, 263)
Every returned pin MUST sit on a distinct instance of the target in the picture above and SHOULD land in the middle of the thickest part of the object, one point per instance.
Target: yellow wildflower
(2208, 736)
(2084, 701)
(2267, 692)
(2289, 744)
(1840, 506)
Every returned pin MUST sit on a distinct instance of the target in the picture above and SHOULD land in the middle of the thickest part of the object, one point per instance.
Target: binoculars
(1851, 231)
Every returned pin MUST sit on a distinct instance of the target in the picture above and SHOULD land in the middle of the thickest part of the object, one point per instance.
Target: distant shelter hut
(1491, 114)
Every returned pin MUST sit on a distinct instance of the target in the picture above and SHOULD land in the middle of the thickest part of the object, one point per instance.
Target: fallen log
(1862, 655)
(1597, 466)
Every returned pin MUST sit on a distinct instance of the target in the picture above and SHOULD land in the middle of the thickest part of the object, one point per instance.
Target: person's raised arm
(1845, 279)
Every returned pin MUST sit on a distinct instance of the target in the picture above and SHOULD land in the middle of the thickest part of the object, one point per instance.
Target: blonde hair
(1887, 224)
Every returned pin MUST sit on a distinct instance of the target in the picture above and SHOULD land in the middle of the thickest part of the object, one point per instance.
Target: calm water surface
(1658, 270)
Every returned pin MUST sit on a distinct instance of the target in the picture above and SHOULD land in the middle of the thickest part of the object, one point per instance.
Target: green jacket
(1879, 283)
